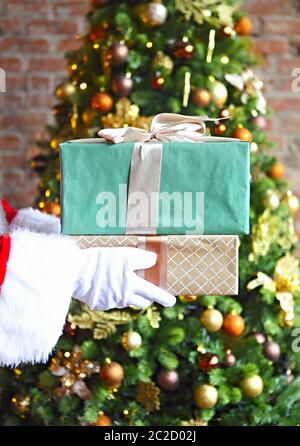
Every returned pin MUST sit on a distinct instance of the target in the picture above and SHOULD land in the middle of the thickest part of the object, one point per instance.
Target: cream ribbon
(167, 127)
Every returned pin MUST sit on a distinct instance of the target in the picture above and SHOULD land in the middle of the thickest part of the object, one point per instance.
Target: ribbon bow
(164, 127)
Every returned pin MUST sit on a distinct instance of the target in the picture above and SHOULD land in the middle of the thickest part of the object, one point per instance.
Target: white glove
(107, 279)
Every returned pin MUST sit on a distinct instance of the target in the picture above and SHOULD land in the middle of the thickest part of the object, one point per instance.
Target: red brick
(55, 26)
(9, 142)
(47, 64)
(10, 63)
(39, 100)
(10, 24)
(35, 45)
(15, 82)
(17, 7)
(12, 161)
(262, 7)
(285, 104)
(269, 46)
(39, 83)
(281, 25)
(287, 121)
(13, 100)
(287, 65)
(65, 45)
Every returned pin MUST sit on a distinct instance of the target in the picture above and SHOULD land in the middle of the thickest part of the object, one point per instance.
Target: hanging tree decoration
(147, 394)
(186, 89)
(214, 12)
(127, 114)
(250, 86)
(285, 282)
(211, 45)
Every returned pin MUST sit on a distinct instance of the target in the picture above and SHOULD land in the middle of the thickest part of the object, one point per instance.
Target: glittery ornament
(208, 361)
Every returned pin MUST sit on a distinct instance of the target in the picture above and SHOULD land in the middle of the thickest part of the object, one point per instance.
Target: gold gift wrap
(186, 264)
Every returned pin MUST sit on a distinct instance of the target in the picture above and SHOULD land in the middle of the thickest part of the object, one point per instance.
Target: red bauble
(97, 34)
(184, 51)
(157, 82)
(208, 361)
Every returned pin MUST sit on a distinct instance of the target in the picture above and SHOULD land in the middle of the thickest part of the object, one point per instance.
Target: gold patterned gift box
(186, 264)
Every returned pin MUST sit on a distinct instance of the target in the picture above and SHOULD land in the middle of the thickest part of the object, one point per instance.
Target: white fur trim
(3, 222)
(35, 295)
(36, 221)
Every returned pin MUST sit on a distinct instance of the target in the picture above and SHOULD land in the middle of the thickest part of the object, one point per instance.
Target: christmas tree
(208, 360)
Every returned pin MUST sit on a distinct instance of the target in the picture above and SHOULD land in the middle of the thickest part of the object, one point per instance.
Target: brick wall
(34, 34)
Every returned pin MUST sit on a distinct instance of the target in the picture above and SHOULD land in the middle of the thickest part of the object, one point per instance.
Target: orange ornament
(220, 129)
(276, 171)
(102, 101)
(243, 26)
(112, 374)
(103, 420)
(243, 134)
(234, 324)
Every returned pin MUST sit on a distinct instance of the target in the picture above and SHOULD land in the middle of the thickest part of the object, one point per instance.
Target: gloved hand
(107, 279)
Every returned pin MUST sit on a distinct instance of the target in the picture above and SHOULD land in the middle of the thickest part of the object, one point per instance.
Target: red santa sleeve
(37, 278)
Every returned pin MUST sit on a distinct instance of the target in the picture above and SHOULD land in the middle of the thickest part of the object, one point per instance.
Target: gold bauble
(185, 299)
(211, 319)
(88, 116)
(131, 340)
(219, 92)
(205, 396)
(65, 90)
(162, 60)
(201, 97)
(271, 200)
(292, 202)
(252, 386)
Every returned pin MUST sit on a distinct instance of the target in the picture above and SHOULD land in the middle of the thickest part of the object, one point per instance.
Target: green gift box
(197, 187)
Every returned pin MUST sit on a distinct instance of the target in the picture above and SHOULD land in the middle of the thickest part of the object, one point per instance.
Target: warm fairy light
(222, 128)
(107, 360)
(18, 372)
(160, 81)
(180, 316)
(254, 113)
(74, 66)
(185, 39)
(126, 412)
(240, 126)
(41, 205)
(47, 193)
(189, 48)
(96, 46)
(83, 86)
(149, 44)
(67, 354)
(206, 12)
(224, 60)
(128, 75)
(211, 78)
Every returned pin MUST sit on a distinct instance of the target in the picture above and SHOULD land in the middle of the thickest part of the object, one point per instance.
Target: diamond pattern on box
(196, 265)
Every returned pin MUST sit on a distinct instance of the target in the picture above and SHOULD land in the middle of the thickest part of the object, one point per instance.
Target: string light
(83, 86)
(211, 45)
(96, 46)
(186, 89)
(67, 354)
(47, 193)
(224, 60)
(149, 44)
(107, 360)
(41, 205)
(74, 66)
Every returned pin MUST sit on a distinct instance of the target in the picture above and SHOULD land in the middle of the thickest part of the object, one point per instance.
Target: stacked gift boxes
(187, 201)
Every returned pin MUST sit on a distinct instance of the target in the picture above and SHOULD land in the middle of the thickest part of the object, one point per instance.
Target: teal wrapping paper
(220, 170)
